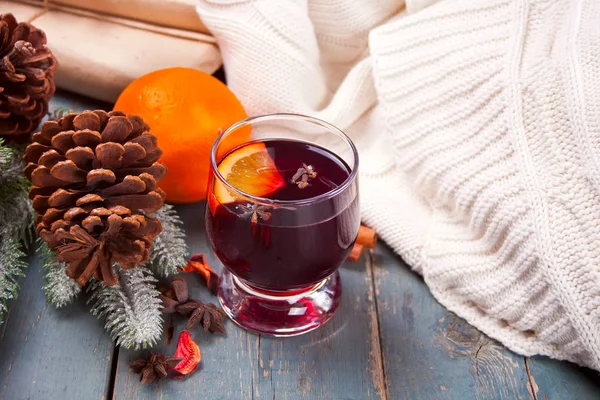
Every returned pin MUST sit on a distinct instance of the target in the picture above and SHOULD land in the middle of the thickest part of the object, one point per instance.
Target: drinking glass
(282, 250)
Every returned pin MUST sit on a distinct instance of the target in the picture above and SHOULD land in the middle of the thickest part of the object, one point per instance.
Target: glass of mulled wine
(282, 215)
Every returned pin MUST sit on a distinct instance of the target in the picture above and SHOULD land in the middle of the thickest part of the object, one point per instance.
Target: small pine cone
(94, 177)
(26, 76)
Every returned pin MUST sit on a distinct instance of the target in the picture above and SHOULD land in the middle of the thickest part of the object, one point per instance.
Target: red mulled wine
(301, 237)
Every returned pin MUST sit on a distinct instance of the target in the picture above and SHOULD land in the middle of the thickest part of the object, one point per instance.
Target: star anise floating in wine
(254, 211)
(155, 367)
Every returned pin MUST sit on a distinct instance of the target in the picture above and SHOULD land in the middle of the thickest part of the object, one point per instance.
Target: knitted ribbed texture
(478, 127)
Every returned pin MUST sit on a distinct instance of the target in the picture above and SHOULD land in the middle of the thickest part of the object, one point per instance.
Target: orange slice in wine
(249, 169)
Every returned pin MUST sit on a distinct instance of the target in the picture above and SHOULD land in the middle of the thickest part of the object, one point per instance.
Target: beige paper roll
(99, 55)
(179, 14)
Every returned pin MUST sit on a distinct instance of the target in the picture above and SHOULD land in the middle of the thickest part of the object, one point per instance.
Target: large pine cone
(94, 177)
(26, 77)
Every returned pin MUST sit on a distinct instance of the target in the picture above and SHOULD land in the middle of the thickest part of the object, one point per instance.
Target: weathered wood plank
(49, 353)
(428, 352)
(339, 361)
(558, 380)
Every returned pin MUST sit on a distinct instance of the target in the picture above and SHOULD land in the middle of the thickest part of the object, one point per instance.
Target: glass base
(279, 315)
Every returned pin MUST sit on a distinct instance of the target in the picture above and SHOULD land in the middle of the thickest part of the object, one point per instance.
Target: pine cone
(94, 176)
(26, 77)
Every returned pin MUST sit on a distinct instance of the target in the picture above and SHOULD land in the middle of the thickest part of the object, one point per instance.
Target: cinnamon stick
(356, 252)
(367, 237)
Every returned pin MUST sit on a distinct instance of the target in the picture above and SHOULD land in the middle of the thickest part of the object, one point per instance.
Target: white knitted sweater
(478, 127)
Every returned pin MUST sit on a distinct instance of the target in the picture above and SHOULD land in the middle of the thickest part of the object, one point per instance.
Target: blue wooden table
(389, 340)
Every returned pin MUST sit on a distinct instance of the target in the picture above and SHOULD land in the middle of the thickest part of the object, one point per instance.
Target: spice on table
(198, 263)
(188, 352)
(175, 300)
(367, 238)
(180, 289)
(155, 367)
(175, 295)
(169, 330)
(209, 314)
(356, 252)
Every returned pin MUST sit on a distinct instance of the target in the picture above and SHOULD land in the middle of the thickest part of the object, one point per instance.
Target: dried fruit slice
(251, 170)
(189, 351)
(198, 263)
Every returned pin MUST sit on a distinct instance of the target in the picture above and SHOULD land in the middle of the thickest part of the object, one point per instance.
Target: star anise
(154, 368)
(175, 300)
(209, 315)
(255, 211)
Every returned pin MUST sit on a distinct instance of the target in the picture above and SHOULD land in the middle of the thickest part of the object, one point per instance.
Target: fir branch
(12, 263)
(16, 213)
(6, 156)
(16, 223)
(59, 288)
(169, 250)
(131, 308)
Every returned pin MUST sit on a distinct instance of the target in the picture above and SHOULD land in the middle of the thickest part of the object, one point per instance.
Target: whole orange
(186, 110)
